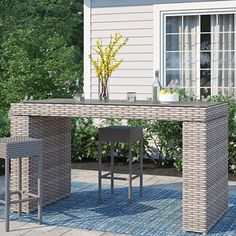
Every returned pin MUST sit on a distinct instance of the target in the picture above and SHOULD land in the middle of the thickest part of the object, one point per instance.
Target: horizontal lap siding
(116, 3)
(136, 23)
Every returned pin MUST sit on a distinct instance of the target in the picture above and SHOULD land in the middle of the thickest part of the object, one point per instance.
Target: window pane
(173, 75)
(190, 79)
(205, 42)
(190, 42)
(227, 91)
(173, 60)
(173, 24)
(190, 24)
(205, 80)
(223, 41)
(205, 92)
(226, 60)
(206, 23)
(226, 22)
(226, 41)
(173, 43)
(205, 61)
(189, 60)
(225, 78)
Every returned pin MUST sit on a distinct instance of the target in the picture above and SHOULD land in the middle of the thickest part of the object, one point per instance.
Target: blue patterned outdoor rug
(157, 213)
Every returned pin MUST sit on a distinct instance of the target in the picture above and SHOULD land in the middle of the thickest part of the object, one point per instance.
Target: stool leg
(112, 167)
(141, 168)
(130, 172)
(7, 193)
(40, 189)
(19, 184)
(100, 171)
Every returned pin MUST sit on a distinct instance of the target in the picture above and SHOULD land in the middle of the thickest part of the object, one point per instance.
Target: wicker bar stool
(16, 148)
(123, 134)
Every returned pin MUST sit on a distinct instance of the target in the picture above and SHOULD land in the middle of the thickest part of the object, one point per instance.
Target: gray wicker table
(205, 154)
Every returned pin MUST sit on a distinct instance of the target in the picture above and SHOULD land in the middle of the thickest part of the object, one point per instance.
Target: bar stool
(123, 134)
(15, 148)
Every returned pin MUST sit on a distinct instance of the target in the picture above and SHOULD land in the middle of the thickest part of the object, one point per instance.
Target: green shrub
(167, 137)
(4, 132)
(162, 141)
(231, 128)
(84, 139)
(4, 124)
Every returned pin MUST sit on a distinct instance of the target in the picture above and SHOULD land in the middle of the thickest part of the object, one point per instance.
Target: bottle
(156, 88)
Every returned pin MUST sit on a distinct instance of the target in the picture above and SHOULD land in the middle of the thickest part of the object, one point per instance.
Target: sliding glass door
(200, 53)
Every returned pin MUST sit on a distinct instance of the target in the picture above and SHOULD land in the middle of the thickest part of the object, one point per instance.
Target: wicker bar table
(205, 153)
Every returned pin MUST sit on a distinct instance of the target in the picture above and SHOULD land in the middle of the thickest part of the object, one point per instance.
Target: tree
(41, 49)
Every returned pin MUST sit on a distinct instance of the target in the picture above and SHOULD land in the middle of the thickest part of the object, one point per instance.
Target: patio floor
(81, 215)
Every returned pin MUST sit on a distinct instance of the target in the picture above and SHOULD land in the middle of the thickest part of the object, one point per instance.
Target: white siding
(135, 20)
(136, 23)
(116, 3)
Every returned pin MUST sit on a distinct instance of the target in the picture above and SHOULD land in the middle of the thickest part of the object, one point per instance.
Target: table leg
(205, 174)
(130, 172)
(56, 172)
(141, 168)
(7, 193)
(19, 185)
(112, 167)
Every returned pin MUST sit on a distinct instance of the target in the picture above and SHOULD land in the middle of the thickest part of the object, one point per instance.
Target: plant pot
(169, 97)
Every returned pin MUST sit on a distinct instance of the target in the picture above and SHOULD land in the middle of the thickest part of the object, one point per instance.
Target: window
(200, 53)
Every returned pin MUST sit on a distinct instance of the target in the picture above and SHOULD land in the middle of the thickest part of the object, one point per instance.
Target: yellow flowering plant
(106, 62)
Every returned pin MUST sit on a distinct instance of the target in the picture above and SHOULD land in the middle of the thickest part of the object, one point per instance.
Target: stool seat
(16, 148)
(19, 147)
(118, 133)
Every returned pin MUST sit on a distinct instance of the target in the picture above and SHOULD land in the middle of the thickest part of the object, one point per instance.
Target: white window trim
(161, 10)
(87, 48)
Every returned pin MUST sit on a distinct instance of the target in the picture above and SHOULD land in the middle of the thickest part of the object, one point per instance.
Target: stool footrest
(30, 197)
(25, 200)
(23, 193)
(108, 176)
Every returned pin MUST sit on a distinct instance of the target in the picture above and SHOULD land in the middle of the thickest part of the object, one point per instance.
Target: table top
(197, 104)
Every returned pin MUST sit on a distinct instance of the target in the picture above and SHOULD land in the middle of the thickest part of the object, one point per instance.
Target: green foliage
(231, 128)
(4, 124)
(40, 68)
(84, 139)
(167, 138)
(4, 132)
(41, 51)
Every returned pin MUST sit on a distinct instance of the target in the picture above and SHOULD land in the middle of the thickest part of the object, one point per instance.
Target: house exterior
(192, 42)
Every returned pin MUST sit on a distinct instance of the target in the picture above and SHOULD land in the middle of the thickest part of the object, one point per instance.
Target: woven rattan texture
(120, 134)
(56, 135)
(19, 146)
(205, 178)
(179, 113)
(204, 150)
